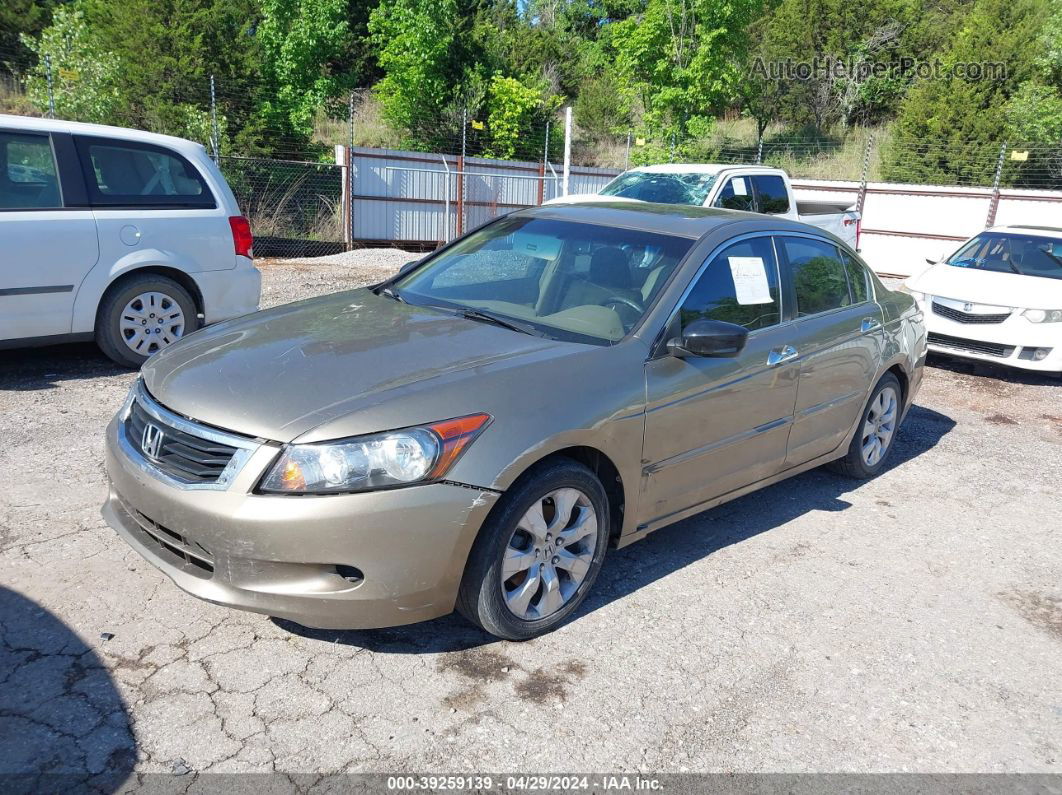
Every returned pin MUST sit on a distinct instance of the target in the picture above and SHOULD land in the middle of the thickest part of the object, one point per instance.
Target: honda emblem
(967, 307)
(151, 441)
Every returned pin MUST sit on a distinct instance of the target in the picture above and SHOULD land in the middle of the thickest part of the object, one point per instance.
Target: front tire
(876, 433)
(141, 315)
(539, 552)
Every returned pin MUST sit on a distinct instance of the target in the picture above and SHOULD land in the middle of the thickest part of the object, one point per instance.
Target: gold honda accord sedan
(477, 431)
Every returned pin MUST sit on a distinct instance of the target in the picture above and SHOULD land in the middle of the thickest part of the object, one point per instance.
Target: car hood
(988, 287)
(281, 372)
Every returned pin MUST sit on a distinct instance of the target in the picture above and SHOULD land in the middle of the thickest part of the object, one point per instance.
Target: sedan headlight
(378, 461)
(913, 293)
(1043, 315)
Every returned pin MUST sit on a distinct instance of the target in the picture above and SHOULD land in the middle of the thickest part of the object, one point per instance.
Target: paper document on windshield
(750, 280)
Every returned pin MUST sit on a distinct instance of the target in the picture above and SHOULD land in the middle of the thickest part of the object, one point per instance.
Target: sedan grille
(965, 317)
(181, 455)
(974, 346)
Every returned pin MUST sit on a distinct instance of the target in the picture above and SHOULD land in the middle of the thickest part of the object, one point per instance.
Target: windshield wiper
(512, 325)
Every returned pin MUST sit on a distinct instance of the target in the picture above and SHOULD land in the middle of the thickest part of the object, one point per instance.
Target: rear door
(152, 205)
(736, 194)
(840, 340)
(47, 244)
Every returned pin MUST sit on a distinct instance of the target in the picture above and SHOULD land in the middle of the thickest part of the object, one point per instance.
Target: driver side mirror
(715, 338)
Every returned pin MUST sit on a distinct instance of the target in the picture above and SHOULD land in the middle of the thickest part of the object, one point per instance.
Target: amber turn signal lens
(456, 435)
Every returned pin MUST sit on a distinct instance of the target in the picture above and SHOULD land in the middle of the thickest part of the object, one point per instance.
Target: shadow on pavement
(998, 372)
(63, 725)
(665, 551)
(32, 369)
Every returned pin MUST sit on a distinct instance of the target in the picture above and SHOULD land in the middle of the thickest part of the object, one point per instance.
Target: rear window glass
(771, 192)
(140, 174)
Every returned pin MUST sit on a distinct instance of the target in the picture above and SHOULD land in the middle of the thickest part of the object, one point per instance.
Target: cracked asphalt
(909, 623)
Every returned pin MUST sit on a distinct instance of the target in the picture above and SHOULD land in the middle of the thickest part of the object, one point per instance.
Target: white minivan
(126, 237)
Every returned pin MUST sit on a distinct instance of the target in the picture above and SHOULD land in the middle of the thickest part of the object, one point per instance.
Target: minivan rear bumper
(353, 561)
(230, 293)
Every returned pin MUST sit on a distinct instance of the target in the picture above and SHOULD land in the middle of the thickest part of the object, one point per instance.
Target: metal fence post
(214, 135)
(542, 167)
(567, 150)
(994, 204)
(51, 87)
(350, 175)
(627, 153)
(863, 179)
(759, 152)
(461, 174)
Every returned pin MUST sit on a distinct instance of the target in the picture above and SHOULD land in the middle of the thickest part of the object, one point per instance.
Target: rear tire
(141, 315)
(876, 434)
(538, 553)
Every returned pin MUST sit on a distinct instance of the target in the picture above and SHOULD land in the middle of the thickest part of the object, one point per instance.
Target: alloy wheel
(880, 426)
(549, 554)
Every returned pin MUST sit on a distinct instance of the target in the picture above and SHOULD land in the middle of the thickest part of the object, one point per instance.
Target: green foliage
(512, 108)
(962, 120)
(299, 40)
(20, 18)
(678, 60)
(85, 75)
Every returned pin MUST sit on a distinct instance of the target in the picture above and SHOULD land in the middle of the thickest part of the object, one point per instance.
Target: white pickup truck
(752, 188)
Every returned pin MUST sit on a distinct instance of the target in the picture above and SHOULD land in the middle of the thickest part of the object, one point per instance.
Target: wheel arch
(182, 278)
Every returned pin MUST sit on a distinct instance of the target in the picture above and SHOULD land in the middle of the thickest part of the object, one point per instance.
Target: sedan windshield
(558, 279)
(649, 186)
(1007, 252)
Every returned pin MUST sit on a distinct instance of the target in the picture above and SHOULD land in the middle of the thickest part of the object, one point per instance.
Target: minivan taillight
(242, 240)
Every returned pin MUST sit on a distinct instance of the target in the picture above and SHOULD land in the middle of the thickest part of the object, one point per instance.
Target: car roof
(1036, 230)
(36, 124)
(702, 168)
(679, 220)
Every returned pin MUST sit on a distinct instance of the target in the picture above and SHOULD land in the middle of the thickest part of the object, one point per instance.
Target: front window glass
(736, 195)
(740, 285)
(561, 279)
(649, 186)
(1008, 252)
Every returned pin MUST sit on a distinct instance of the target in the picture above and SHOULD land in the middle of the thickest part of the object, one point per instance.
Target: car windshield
(1009, 252)
(650, 186)
(559, 279)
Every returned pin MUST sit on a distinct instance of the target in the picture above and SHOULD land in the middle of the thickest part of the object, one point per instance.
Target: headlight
(913, 293)
(382, 460)
(1043, 315)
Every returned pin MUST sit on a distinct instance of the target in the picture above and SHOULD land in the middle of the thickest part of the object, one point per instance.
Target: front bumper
(353, 561)
(1010, 343)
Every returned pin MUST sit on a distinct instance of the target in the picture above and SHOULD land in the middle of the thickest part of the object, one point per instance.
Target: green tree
(300, 40)
(949, 128)
(20, 18)
(85, 75)
(679, 61)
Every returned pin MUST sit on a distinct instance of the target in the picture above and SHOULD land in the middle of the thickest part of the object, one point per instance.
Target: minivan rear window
(126, 173)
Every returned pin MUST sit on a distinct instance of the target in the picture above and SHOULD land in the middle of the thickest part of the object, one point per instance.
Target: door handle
(783, 354)
(869, 324)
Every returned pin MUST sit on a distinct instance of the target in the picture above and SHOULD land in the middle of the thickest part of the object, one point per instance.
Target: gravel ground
(910, 623)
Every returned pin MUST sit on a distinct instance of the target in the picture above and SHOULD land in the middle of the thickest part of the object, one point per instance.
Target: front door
(714, 425)
(46, 250)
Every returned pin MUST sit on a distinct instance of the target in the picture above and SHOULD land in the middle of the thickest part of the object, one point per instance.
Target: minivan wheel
(539, 552)
(141, 315)
(876, 432)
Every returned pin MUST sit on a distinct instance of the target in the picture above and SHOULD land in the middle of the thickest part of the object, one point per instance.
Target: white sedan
(997, 299)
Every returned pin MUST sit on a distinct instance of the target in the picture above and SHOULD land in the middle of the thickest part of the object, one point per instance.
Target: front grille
(179, 549)
(181, 455)
(975, 346)
(964, 317)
